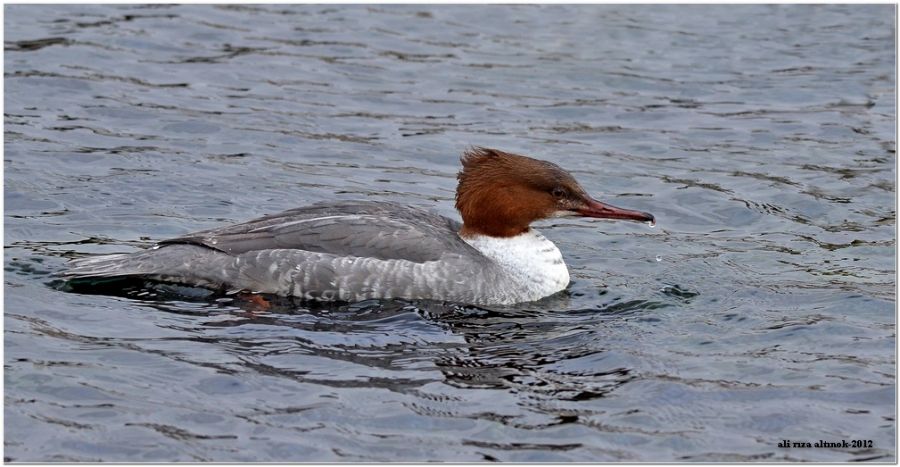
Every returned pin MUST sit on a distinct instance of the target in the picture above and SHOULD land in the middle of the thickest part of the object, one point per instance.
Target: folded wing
(370, 229)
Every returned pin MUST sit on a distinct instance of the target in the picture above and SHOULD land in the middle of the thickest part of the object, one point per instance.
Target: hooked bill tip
(597, 209)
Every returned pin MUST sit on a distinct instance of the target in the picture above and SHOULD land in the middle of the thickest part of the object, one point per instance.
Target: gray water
(760, 309)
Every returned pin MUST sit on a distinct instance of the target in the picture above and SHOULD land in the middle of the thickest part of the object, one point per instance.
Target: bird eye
(559, 192)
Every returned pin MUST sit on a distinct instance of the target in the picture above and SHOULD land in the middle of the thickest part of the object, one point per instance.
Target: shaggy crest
(500, 193)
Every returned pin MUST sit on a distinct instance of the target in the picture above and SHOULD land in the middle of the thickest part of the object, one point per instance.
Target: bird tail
(105, 266)
(171, 263)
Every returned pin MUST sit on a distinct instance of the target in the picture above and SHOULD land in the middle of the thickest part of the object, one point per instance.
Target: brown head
(501, 194)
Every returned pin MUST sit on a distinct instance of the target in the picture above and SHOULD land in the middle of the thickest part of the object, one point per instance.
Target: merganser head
(501, 194)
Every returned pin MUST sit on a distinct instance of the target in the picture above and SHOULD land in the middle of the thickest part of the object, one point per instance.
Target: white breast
(534, 265)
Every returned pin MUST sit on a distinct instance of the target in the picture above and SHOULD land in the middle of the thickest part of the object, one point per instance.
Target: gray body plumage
(349, 251)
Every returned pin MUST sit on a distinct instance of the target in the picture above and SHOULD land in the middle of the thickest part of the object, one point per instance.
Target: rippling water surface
(761, 307)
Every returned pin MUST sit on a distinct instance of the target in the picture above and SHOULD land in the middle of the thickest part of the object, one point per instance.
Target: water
(761, 137)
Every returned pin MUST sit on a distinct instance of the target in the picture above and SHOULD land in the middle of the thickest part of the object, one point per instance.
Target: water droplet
(658, 258)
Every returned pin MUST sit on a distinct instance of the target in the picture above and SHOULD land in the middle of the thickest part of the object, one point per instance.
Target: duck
(351, 251)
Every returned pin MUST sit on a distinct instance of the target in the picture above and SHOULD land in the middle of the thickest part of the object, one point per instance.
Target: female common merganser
(358, 250)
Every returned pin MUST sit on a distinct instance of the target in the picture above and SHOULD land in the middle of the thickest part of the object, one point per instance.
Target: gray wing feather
(380, 230)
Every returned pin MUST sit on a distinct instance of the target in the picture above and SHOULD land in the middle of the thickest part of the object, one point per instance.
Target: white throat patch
(533, 263)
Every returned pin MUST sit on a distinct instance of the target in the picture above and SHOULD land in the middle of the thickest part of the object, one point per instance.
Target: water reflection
(514, 349)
